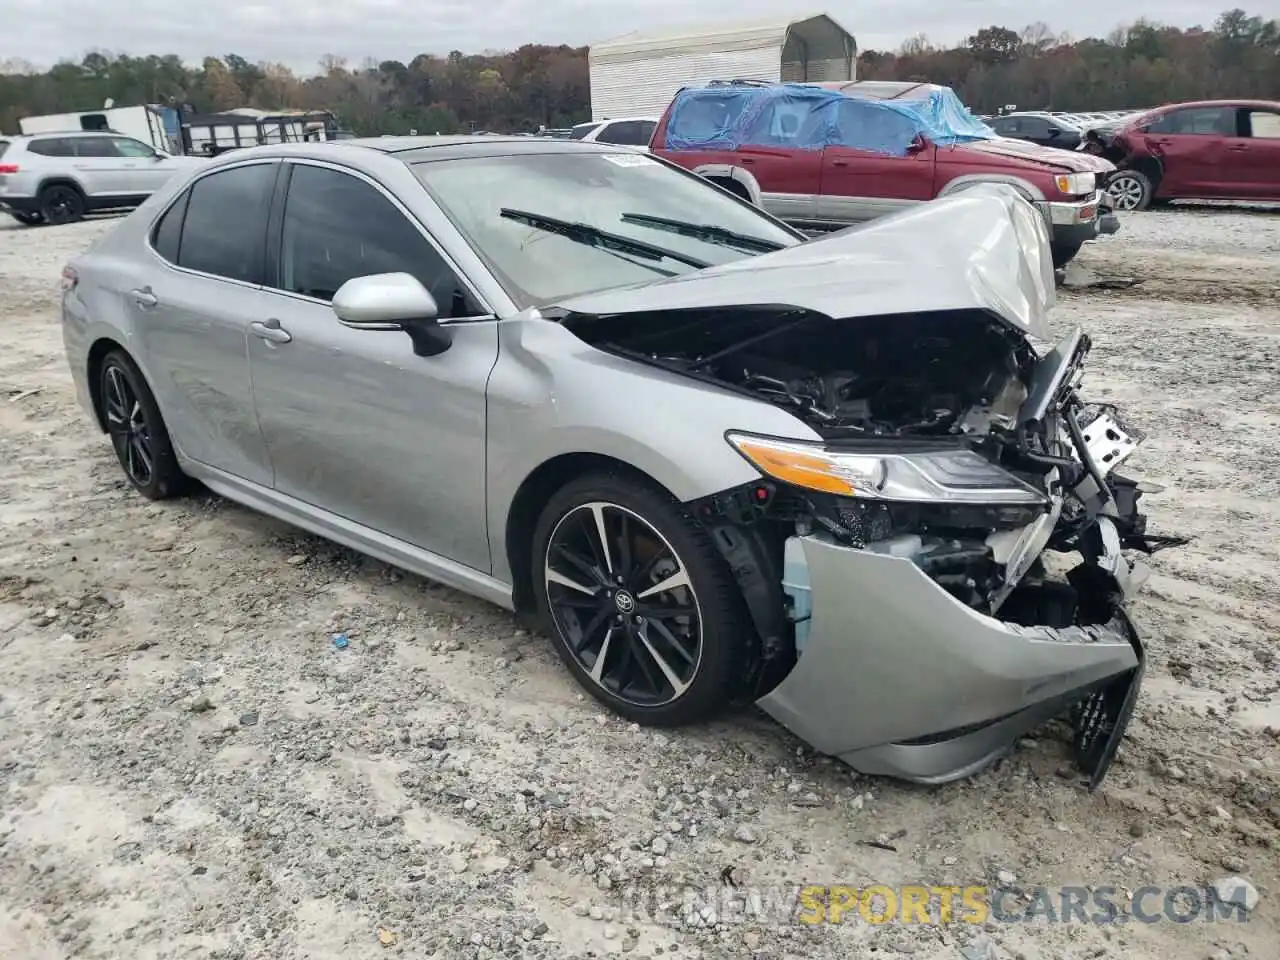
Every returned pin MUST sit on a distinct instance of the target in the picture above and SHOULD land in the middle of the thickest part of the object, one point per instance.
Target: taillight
(69, 279)
(8, 168)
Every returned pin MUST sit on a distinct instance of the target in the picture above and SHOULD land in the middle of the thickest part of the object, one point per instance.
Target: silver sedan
(718, 463)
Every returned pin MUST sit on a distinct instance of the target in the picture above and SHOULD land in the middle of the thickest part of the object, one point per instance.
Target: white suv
(59, 177)
(623, 131)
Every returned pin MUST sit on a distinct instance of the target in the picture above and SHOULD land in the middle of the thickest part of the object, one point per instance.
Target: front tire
(1064, 253)
(639, 603)
(137, 429)
(1130, 190)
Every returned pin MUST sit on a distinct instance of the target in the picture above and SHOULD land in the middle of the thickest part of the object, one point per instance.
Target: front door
(145, 170)
(191, 311)
(1191, 146)
(873, 165)
(355, 422)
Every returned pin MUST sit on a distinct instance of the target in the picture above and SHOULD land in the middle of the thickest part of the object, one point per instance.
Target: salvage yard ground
(189, 767)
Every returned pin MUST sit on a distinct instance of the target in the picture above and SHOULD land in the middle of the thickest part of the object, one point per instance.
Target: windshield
(618, 197)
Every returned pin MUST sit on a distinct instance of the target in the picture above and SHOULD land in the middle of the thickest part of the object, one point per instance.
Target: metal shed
(638, 74)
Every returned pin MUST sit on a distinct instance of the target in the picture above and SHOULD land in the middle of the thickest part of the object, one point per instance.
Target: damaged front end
(899, 561)
(896, 569)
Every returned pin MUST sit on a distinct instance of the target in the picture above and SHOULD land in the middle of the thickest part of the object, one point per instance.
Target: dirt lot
(190, 768)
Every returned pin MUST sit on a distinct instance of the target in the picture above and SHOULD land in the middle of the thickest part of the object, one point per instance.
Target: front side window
(126, 147)
(1197, 121)
(95, 147)
(618, 194)
(1263, 124)
(225, 227)
(337, 227)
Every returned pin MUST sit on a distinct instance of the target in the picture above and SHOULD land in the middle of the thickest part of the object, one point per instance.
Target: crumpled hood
(985, 248)
(1072, 161)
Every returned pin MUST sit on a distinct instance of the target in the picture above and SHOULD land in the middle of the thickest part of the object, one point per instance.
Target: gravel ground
(190, 768)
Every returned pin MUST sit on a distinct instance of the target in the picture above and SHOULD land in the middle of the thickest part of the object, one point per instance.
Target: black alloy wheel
(61, 204)
(622, 598)
(127, 425)
(641, 605)
(137, 430)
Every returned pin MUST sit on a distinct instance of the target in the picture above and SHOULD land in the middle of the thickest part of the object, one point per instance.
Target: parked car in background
(59, 177)
(833, 154)
(1042, 128)
(1208, 150)
(622, 131)
(716, 462)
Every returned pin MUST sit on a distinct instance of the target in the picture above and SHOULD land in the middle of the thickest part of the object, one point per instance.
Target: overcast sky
(299, 32)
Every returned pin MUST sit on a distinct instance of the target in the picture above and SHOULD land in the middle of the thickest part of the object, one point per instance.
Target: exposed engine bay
(921, 375)
(924, 381)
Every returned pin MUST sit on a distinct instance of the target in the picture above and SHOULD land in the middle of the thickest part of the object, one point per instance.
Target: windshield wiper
(702, 231)
(585, 233)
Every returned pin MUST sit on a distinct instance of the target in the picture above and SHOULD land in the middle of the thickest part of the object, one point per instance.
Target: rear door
(1255, 156)
(191, 308)
(1190, 144)
(860, 180)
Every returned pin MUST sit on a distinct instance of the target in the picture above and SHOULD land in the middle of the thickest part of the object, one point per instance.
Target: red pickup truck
(821, 155)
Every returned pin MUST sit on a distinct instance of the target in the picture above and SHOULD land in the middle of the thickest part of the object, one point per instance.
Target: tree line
(1140, 65)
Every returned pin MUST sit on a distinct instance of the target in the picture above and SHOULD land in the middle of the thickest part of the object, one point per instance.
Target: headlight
(1075, 184)
(940, 476)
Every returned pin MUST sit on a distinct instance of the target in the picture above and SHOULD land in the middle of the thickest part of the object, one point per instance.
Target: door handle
(1238, 147)
(270, 330)
(144, 298)
(746, 160)
(839, 163)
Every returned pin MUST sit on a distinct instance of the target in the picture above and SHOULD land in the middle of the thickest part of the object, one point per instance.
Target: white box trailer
(158, 126)
(637, 75)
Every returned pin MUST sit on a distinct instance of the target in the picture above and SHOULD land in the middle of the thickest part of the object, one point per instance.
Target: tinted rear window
(224, 231)
(581, 130)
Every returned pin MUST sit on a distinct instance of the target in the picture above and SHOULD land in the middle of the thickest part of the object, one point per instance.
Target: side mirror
(917, 145)
(393, 301)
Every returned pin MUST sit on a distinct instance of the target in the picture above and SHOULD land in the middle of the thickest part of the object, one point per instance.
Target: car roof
(1268, 104)
(426, 148)
(61, 134)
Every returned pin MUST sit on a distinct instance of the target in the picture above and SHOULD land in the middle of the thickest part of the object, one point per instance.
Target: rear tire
(29, 219)
(137, 429)
(62, 203)
(656, 657)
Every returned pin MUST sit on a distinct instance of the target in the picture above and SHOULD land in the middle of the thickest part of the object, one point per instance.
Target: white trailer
(158, 126)
(638, 74)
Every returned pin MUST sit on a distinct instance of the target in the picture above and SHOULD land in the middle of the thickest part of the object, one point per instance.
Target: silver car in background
(718, 463)
(55, 178)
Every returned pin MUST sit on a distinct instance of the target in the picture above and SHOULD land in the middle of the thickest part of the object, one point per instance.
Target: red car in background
(843, 183)
(1209, 150)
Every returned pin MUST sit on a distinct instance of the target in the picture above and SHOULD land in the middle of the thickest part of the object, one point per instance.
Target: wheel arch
(1150, 167)
(61, 180)
(531, 496)
(732, 177)
(93, 372)
(1030, 192)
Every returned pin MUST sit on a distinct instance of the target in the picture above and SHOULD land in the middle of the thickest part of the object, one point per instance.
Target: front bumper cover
(900, 679)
